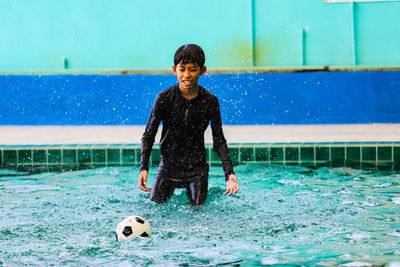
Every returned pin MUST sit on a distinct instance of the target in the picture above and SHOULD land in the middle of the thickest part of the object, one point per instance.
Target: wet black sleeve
(219, 141)
(150, 133)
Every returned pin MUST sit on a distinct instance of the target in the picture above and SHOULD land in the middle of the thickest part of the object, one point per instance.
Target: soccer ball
(132, 226)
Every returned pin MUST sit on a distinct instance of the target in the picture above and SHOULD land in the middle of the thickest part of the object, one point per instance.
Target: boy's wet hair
(190, 53)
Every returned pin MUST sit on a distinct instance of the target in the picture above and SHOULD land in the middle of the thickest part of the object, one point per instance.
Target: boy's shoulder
(168, 91)
(166, 95)
(207, 93)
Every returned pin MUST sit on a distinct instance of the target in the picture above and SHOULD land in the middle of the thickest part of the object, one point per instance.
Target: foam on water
(281, 215)
(396, 200)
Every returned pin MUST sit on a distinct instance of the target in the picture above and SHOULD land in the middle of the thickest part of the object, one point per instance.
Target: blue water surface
(282, 215)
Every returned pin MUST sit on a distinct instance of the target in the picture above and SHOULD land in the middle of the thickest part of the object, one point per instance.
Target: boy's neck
(189, 93)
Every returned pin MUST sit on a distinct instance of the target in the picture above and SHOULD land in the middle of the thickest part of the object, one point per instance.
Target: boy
(185, 110)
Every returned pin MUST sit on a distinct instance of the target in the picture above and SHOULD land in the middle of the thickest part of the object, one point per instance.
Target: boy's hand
(143, 181)
(232, 185)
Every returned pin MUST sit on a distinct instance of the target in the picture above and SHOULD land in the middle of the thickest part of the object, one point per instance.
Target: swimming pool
(283, 214)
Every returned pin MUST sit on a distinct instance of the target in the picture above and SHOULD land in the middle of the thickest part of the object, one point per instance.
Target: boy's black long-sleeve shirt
(184, 123)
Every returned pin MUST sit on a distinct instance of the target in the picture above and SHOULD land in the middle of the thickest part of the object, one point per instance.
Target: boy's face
(188, 75)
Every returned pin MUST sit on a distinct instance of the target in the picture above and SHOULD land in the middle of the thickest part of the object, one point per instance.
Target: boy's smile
(188, 76)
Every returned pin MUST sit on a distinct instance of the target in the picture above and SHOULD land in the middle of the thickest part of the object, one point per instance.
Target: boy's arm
(221, 148)
(150, 134)
(219, 141)
(148, 141)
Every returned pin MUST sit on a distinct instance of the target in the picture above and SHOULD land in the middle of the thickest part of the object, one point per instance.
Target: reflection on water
(281, 215)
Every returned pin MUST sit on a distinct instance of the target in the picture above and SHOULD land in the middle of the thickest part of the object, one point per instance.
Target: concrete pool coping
(98, 135)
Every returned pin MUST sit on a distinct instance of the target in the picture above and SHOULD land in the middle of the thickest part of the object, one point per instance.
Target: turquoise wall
(99, 35)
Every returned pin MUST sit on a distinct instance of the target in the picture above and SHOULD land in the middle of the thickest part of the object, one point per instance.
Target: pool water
(281, 215)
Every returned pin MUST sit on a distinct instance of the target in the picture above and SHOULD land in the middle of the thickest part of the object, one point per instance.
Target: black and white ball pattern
(132, 226)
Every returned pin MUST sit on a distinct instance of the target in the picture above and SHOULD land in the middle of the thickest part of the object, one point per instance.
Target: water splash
(282, 214)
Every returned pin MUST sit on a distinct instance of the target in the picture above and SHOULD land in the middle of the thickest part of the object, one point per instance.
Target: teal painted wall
(143, 35)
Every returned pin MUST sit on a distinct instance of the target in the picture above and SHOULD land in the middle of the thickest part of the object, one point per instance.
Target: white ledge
(80, 135)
